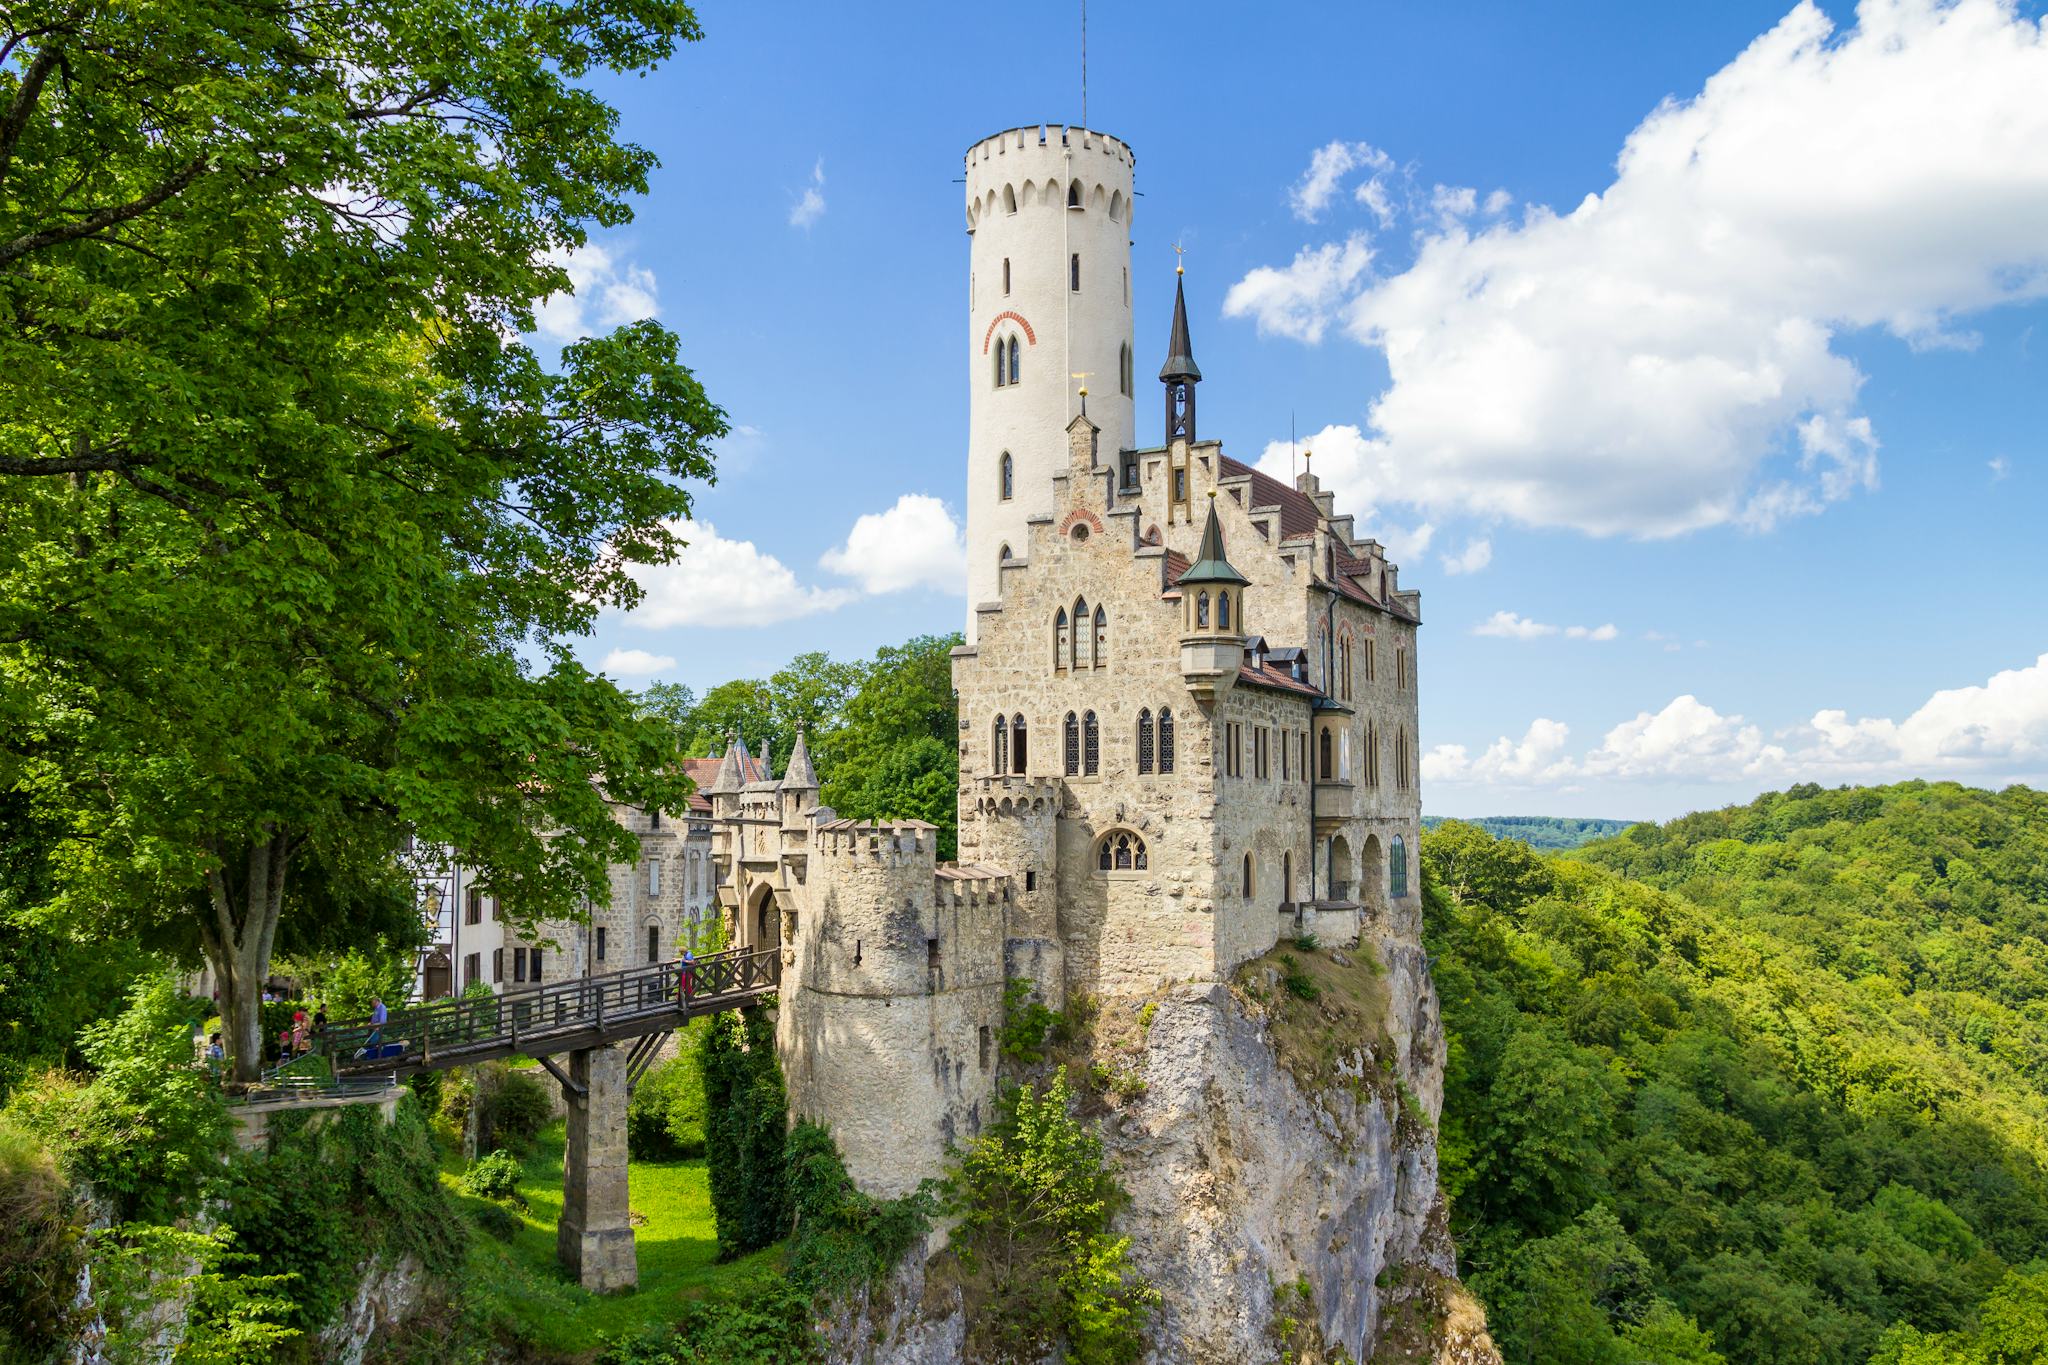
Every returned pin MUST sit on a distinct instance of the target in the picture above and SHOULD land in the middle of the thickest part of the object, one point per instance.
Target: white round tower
(1048, 297)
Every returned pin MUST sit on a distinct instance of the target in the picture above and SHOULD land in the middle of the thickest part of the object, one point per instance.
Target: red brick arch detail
(1080, 514)
(1030, 337)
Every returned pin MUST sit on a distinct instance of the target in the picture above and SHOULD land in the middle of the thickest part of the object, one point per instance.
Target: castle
(1187, 709)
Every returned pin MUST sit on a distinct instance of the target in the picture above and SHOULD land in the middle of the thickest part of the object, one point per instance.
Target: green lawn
(518, 1282)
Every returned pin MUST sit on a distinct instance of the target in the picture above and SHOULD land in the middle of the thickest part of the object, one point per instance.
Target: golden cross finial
(1178, 252)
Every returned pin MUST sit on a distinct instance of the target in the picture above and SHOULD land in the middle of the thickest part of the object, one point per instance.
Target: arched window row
(1082, 640)
(1120, 851)
(1074, 195)
(1155, 740)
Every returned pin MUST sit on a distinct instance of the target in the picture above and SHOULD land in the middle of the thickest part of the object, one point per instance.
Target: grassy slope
(519, 1283)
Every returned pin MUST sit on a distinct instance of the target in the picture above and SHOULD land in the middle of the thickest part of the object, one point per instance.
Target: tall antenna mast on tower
(1084, 63)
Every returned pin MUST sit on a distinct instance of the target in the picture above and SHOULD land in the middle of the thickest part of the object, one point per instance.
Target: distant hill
(1765, 1084)
(1549, 832)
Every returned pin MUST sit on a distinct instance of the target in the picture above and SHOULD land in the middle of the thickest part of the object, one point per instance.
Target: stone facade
(1187, 716)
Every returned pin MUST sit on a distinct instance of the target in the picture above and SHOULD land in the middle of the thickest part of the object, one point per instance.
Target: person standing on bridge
(378, 1016)
(689, 976)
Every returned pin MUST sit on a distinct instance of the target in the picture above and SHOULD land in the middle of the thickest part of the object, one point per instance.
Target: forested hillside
(1767, 1083)
(1541, 831)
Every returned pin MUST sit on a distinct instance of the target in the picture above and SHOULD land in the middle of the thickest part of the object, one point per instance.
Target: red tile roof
(1277, 678)
(704, 771)
(1176, 565)
(1299, 514)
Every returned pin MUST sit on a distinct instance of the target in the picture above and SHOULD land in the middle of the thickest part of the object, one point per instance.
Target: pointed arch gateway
(761, 924)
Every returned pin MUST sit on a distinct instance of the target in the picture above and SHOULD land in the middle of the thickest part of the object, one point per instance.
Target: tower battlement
(898, 843)
(1007, 796)
(1055, 138)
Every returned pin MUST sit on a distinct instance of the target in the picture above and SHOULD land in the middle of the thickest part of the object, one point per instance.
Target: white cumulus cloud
(1509, 625)
(1661, 356)
(1999, 727)
(1325, 175)
(606, 293)
(1300, 300)
(916, 543)
(714, 581)
(810, 206)
(1476, 555)
(636, 663)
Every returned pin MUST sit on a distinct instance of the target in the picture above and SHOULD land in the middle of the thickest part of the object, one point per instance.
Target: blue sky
(1772, 408)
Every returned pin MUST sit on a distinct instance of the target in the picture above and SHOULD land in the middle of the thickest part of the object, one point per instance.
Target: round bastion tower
(1048, 297)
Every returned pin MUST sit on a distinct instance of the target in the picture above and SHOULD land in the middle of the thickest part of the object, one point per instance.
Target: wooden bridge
(587, 1020)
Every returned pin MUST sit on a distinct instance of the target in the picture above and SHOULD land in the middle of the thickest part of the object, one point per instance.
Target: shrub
(1306, 942)
(768, 1322)
(496, 1220)
(665, 1117)
(148, 1129)
(1027, 1024)
(1035, 1202)
(327, 1196)
(745, 1133)
(512, 1107)
(494, 1176)
(843, 1237)
(230, 1319)
(1299, 983)
(41, 1249)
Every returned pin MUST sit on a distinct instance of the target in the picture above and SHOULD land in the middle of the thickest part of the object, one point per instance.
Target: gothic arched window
(1397, 868)
(999, 748)
(1009, 477)
(1247, 876)
(999, 364)
(1101, 637)
(1323, 764)
(1002, 556)
(1091, 745)
(1014, 353)
(1073, 745)
(1061, 640)
(1145, 739)
(1165, 739)
(1223, 611)
(1074, 195)
(1201, 611)
(1081, 636)
(1017, 744)
(1120, 851)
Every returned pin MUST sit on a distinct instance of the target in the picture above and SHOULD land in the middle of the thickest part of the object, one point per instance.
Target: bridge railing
(533, 1017)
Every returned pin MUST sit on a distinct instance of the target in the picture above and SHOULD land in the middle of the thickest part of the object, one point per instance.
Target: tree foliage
(292, 538)
(746, 1121)
(1034, 1200)
(1765, 1083)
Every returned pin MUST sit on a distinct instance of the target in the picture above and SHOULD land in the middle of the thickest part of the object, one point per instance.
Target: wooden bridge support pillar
(594, 1240)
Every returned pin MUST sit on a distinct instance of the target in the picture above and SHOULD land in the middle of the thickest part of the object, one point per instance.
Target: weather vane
(1082, 375)
(1178, 252)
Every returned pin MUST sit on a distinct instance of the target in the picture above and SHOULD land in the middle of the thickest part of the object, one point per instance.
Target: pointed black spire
(1180, 351)
(1180, 374)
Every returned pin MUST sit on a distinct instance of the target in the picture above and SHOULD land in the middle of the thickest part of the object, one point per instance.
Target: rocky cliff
(1276, 1134)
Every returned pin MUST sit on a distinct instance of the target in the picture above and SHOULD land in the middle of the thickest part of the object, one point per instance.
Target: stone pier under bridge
(607, 1029)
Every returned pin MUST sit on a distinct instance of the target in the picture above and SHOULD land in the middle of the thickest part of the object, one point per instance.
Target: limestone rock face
(387, 1294)
(1246, 1187)
(1283, 1209)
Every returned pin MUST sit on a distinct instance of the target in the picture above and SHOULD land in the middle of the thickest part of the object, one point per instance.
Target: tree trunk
(237, 934)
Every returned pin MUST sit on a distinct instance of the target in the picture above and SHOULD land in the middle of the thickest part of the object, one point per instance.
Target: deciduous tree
(293, 530)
